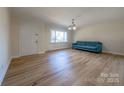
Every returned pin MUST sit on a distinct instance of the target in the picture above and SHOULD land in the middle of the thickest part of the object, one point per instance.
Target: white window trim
(55, 37)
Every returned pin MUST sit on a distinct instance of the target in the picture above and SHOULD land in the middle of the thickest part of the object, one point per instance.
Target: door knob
(36, 41)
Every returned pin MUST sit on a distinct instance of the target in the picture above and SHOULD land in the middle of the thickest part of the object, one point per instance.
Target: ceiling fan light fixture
(69, 27)
(72, 26)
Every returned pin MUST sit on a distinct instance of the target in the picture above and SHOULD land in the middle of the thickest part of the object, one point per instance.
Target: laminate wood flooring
(66, 67)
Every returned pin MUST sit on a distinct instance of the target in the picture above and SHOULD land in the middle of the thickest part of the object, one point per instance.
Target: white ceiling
(63, 16)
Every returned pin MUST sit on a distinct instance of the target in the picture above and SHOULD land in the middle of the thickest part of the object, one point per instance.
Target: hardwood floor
(66, 67)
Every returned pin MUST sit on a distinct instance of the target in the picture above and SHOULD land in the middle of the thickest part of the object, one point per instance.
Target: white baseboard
(15, 57)
(58, 48)
(116, 53)
(42, 52)
(4, 71)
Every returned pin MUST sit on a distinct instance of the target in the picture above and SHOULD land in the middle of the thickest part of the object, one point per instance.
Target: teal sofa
(92, 46)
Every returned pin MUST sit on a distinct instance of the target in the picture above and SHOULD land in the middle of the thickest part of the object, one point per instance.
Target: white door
(28, 40)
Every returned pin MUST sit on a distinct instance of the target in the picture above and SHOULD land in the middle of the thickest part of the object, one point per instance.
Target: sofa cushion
(90, 47)
(86, 47)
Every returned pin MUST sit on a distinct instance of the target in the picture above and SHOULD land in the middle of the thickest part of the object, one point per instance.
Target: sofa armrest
(74, 43)
(99, 47)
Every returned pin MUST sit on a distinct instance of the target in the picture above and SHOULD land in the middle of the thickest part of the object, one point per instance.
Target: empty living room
(62, 46)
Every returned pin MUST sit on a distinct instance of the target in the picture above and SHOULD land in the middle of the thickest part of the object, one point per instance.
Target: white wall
(17, 24)
(43, 29)
(14, 35)
(110, 34)
(4, 42)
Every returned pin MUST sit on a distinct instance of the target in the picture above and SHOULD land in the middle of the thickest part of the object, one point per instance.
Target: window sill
(57, 42)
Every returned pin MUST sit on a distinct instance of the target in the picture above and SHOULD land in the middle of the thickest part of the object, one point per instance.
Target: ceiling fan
(72, 27)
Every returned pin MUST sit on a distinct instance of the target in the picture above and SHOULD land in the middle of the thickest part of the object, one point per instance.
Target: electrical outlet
(1, 67)
(1, 72)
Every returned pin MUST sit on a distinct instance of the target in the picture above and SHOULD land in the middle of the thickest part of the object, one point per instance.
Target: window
(58, 36)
